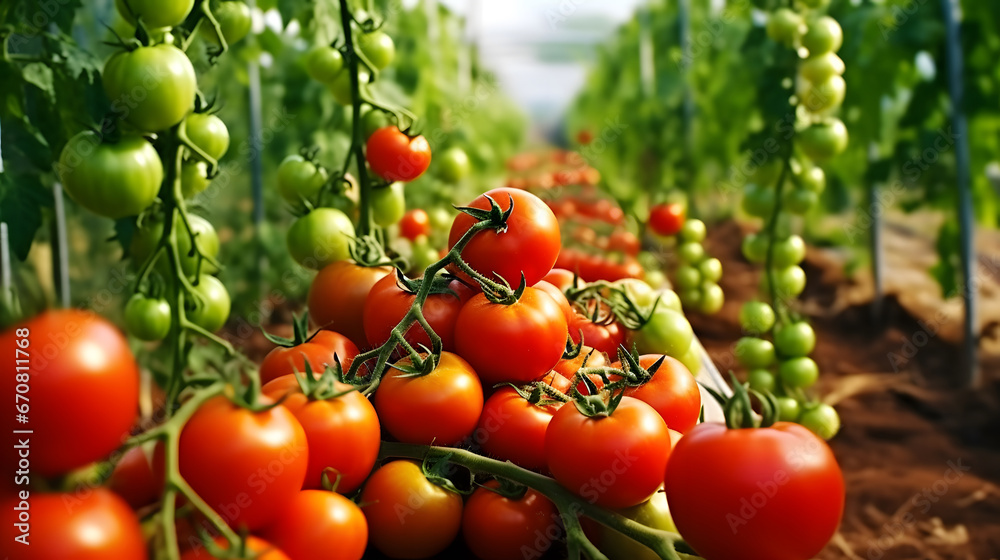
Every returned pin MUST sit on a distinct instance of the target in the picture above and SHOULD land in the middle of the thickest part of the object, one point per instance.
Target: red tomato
(409, 516)
(614, 461)
(603, 337)
(442, 407)
(91, 524)
(246, 465)
(518, 342)
(667, 219)
(133, 479)
(337, 344)
(560, 278)
(625, 241)
(394, 156)
(566, 177)
(320, 525)
(282, 361)
(76, 383)
(559, 297)
(342, 433)
(513, 429)
(337, 298)
(776, 493)
(499, 528)
(387, 303)
(569, 368)
(415, 223)
(530, 243)
(629, 268)
(263, 549)
(672, 391)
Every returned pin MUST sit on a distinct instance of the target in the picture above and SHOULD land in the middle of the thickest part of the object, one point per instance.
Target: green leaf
(21, 207)
(40, 76)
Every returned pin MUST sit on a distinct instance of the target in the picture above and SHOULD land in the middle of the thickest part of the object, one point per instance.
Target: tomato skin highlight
(431, 516)
(498, 528)
(337, 298)
(394, 156)
(91, 525)
(223, 449)
(672, 391)
(81, 368)
(530, 244)
(313, 521)
(342, 433)
(448, 401)
(777, 493)
(614, 461)
(519, 343)
(387, 303)
(512, 429)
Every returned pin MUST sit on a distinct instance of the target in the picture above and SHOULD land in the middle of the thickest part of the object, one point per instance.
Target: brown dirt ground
(903, 429)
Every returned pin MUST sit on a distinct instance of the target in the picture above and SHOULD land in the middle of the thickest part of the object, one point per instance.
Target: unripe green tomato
(788, 282)
(824, 35)
(321, 237)
(798, 372)
(821, 67)
(378, 48)
(795, 340)
(441, 218)
(453, 165)
(372, 120)
(423, 256)
(687, 277)
(785, 26)
(756, 317)
(822, 420)
(654, 513)
(800, 201)
(754, 353)
(693, 231)
(712, 298)
(388, 204)
(234, 21)
(754, 247)
(147, 318)
(155, 13)
(208, 132)
(789, 251)
(691, 252)
(789, 409)
(113, 180)
(761, 380)
(194, 178)
(813, 180)
(300, 179)
(666, 332)
(638, 291)
(211, 304)
(146, 239)
(690, 297)
(655, 278)
(340, 86)
(823, 141)
(668, 299)
(758, 200)
(711, 270)
(822, 97)
(768, 172)
(324, 64)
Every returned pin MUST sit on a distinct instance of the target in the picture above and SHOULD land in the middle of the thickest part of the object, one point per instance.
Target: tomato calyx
(599, 403)
(367, 251)
(605, 303)
(436, 469)
(738, 409)
(541, 394)
(300, 330)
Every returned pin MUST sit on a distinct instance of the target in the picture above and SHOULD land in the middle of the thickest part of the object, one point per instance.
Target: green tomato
(194, 178)
(788, 281)
(687, 277)
(824, 35)
(666, 332)
(822, 97)
(372, 120)
(711, 270)
(822, 420)
(813, 180)
(153, 88)
(147, 238)
(691, 297)
(234, 21)
(388, 204)
(321, 237)
(668, 299)
(785, 26)
(692, 360)
(211, 304)
(789, 409)
(208, 132)
(378, 48)
(761, 380)
(638, 291)
(324, 64)
(654, 513)
(111, 180)
(823, 141)
(789, 251)
(155, 13)
(454, 165)
(758, 200)
(795, 340)
(754, 247)
(799, 201)
(798, 372)
(147, 318)
(423, 256)
(440, 218)
(655, 278)
(300, 179)
(754, 353)
(769, 172)
(691, 252)
(712, 298)
(822, 67)
(340, 86)
(756, 317)
(693, 231)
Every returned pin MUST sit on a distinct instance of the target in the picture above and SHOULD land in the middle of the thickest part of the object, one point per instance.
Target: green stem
(357, 130)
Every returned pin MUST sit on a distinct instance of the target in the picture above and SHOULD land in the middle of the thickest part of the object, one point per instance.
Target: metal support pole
(952, 15)
(60, 256)
(876, 247)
